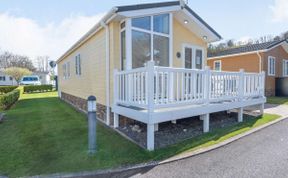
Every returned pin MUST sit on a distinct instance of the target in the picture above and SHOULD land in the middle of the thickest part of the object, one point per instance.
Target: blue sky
(232, 19)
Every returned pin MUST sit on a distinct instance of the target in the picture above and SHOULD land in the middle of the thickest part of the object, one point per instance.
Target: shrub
(37, 88)
(6, 89)
(8, 99)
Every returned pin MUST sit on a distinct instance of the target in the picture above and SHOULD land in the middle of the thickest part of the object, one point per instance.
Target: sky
(50, 27)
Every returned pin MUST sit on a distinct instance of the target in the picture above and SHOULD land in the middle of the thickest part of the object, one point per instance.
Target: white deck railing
(154, 87)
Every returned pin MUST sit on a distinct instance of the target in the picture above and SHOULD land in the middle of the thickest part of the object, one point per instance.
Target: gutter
(260, 61)
(107, 50)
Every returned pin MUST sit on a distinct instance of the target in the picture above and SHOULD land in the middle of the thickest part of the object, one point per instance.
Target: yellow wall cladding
(182, 35)
(93, 79)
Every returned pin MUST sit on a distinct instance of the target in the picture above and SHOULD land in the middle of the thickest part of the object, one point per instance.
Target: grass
(44, 135)
(277, 100)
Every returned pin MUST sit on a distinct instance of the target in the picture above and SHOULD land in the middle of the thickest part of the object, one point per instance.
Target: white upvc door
(193, 57)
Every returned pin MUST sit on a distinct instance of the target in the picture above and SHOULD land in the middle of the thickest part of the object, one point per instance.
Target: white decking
(155, 94)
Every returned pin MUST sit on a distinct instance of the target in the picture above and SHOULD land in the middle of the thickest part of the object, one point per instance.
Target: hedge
(8, 99)
(7, 89)
(37, 88)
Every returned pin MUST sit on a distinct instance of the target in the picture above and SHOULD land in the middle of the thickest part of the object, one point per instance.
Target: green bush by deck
(37, 88)
(7, 89)
(8, 99)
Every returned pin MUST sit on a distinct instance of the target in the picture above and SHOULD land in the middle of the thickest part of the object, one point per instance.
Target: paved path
(276, 109)
(262, 154)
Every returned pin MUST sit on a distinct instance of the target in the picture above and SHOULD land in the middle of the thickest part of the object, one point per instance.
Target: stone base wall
(81, 104)
(269, 92)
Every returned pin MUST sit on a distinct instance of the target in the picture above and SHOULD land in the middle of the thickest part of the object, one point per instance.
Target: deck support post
(116, 120)
(156, 127)
(150, 136)
(261, 109)
(240, 114)
(205, 118)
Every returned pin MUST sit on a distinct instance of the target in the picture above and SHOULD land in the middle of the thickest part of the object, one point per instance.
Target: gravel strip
(169, 133)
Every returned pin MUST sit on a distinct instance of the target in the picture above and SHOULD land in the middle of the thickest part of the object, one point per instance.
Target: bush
(7, 89)
(8, 99)
(37, 88)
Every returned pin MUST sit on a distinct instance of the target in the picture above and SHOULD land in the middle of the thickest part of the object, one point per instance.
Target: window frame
(220, 65)
(271, 72)
(194, 49)
(120, 43)
(285, 68)
(129, 28)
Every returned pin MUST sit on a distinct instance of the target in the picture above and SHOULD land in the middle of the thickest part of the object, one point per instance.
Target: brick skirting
(81, 104)
(269, 92)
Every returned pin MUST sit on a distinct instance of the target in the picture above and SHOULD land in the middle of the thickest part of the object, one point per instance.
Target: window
(78, 64)
(68, 69)
(188, 58)
(150, 41)
(64, 68)
(2, 78)
(142, 22)
(161, 50)
(11, 78)
(285, 67)
(217, 66)
(123, 46)
(141, 48)
(161, 23)
(199, 59)
(271, 65)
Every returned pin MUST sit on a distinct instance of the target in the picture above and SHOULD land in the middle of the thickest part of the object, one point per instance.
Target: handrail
(153, 87)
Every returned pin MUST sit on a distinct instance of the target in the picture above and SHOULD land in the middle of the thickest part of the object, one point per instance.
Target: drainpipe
(107, 38)
(260, 62)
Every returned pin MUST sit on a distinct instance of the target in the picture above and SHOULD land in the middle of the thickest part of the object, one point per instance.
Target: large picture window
(150, 40)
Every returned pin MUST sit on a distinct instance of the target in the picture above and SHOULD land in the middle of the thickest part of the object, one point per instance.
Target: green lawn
(44, 135)
(277, 100)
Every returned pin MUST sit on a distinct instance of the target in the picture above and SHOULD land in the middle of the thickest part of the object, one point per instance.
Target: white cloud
(25, 36)
(280, 11)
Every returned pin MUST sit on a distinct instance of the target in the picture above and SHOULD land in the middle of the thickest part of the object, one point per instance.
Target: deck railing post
(151, 84)
(207, 84)
(241, 84)
(150, 95)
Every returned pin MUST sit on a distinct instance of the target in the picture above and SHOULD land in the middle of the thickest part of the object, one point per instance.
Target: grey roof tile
(245, 49)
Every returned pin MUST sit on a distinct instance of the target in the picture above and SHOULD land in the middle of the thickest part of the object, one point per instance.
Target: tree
(17, 72)
(8, 59)
(42, 63)
(230, 43)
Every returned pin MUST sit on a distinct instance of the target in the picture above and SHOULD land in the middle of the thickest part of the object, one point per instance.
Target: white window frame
(120, 43)
(128, 28)
(194, 48)
(220, 64)
(271, 71)
(285, 68)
